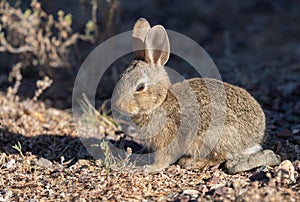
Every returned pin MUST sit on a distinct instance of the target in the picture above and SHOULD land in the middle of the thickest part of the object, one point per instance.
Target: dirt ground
(255, 45)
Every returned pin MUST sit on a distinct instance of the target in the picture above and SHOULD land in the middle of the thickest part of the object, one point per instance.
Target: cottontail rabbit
(176, 127)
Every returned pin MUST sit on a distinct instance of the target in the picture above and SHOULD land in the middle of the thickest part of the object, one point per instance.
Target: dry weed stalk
(16, 75)
(109, 14)
(37, 37)
(92, 118)
(41, 86)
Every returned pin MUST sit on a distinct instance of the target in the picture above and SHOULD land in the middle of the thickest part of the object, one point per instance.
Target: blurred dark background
(255, 44)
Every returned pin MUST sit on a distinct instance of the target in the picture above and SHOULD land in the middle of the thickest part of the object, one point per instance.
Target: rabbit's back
(235, 119)
(241, 108)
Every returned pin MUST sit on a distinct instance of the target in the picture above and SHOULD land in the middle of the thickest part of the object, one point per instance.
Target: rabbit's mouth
(130, 109)
(119, 108)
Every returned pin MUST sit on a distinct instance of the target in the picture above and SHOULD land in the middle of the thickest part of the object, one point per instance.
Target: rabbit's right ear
(157, 46)
(140, 29)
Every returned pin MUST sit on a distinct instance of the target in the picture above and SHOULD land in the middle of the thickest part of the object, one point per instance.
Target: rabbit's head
(144, 85)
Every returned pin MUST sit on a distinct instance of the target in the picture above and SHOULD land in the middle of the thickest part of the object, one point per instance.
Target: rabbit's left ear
(157, 46)
(140, 29)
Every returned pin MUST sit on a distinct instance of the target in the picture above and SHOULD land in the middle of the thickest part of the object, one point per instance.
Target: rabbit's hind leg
(245, 163)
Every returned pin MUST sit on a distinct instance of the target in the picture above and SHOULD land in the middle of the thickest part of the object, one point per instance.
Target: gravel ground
(255, 44)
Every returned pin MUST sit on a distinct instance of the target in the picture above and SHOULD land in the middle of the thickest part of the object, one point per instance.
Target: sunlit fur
(182, 122)
(129, 101)
(244, 125)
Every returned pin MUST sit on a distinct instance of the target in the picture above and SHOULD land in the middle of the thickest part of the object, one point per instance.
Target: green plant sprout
(18, 147)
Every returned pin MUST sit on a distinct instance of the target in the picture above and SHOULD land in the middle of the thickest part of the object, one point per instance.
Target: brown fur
(244, 124)
(175, 119)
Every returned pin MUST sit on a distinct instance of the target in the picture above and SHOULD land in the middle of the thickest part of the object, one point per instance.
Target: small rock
(295, 129)
(44, 163)
(192, 192)
(189, 195)
(263, 158)
(31, 200)
(10, 163)
(297, 165)
(236, 184)
(5, 195)
(185, 198)
(285, 173)
(83, 162)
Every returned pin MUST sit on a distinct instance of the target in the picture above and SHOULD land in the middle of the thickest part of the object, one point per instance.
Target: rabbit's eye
(140, 87)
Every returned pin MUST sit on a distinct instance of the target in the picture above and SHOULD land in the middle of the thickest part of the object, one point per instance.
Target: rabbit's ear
(140, 29)
(157, 46)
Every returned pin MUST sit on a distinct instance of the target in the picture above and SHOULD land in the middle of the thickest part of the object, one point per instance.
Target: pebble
(44, 163)
(295, 129)
(5, 195)
(10, 163)
(192, 192)
(31, 200)
(285, 173)
(297, 165)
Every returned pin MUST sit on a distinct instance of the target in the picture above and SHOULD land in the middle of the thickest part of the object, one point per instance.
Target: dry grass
(38, 39)
(42, 157)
